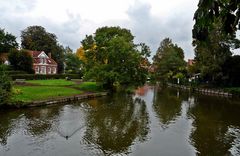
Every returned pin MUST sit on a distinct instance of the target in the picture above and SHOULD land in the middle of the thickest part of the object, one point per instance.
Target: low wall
(62, 99)
(203, 90)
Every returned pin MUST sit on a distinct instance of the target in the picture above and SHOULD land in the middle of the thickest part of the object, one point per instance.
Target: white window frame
(54, 70)
(37, 70)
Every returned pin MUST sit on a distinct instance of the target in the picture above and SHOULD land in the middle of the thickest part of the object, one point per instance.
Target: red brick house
(4, 58)
(43, 63)
(190, 62)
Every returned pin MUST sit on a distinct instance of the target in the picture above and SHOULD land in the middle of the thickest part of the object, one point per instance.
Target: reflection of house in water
(142, 91)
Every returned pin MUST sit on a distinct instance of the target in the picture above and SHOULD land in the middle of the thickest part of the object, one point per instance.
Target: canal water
(153, 122)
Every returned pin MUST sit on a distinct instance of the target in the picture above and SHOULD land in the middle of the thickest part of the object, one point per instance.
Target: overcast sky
(150, 21)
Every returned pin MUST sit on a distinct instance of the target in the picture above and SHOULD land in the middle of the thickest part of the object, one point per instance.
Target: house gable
(43, 55)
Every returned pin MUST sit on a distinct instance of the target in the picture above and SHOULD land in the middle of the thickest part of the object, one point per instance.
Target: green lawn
(54, 82)
(46, 89)
(89, 86)
(32, 93)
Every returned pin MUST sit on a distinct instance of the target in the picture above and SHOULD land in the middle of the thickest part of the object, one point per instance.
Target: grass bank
(32, 93)
(36, 90)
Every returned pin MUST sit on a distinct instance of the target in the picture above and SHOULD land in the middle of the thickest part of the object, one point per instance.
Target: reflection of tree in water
(167, 105)
(215, 124)
(37, 121)
(40, 121)
(116, 122)
(7, 124)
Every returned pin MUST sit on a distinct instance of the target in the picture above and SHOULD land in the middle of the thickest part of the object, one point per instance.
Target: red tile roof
(49, 61)
(37, 60)
(35, 53)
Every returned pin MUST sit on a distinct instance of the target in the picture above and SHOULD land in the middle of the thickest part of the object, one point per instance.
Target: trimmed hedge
(13, 72)
(44, 77)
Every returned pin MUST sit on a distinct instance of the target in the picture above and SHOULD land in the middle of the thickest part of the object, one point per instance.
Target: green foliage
(112, 58)
(214, 34)
(7, 41)
(21, 60)
(37, 38)
(89, 86)
(211, 54)
(73, 63)
(5, 86)
(208, 10)
(169, 61)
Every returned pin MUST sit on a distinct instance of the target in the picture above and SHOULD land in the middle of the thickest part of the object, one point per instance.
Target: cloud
(69, 32)
(147, 27)
(152, 29)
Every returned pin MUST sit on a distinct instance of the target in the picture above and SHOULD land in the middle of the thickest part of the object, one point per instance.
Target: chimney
(49, 55)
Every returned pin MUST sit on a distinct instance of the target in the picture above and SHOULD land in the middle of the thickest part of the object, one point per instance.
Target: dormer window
(43, 60)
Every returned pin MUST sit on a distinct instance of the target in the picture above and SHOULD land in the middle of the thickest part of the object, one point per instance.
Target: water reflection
(116, 123)
(152, 122)
(70, 121)
(167, 106)
(7, 125)
(216, 126)
(39, 122)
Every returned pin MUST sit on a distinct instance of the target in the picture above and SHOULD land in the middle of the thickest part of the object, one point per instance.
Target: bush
(13, 72)
(5, 86)
(44, 77)
(235, 91)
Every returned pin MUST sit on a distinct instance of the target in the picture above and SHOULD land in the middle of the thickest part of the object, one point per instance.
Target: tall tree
(214, 35)
(37, 38)
(113, 59)
(73, 64)
(7, 41)
(169, 61)
(212, 53)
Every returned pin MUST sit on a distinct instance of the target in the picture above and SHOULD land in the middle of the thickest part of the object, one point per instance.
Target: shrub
(5, 86)
(44, 77)
(13, 72)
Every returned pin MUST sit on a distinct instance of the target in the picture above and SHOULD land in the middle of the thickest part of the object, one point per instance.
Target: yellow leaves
(81, 54)
(94, 47)
(106, 61)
